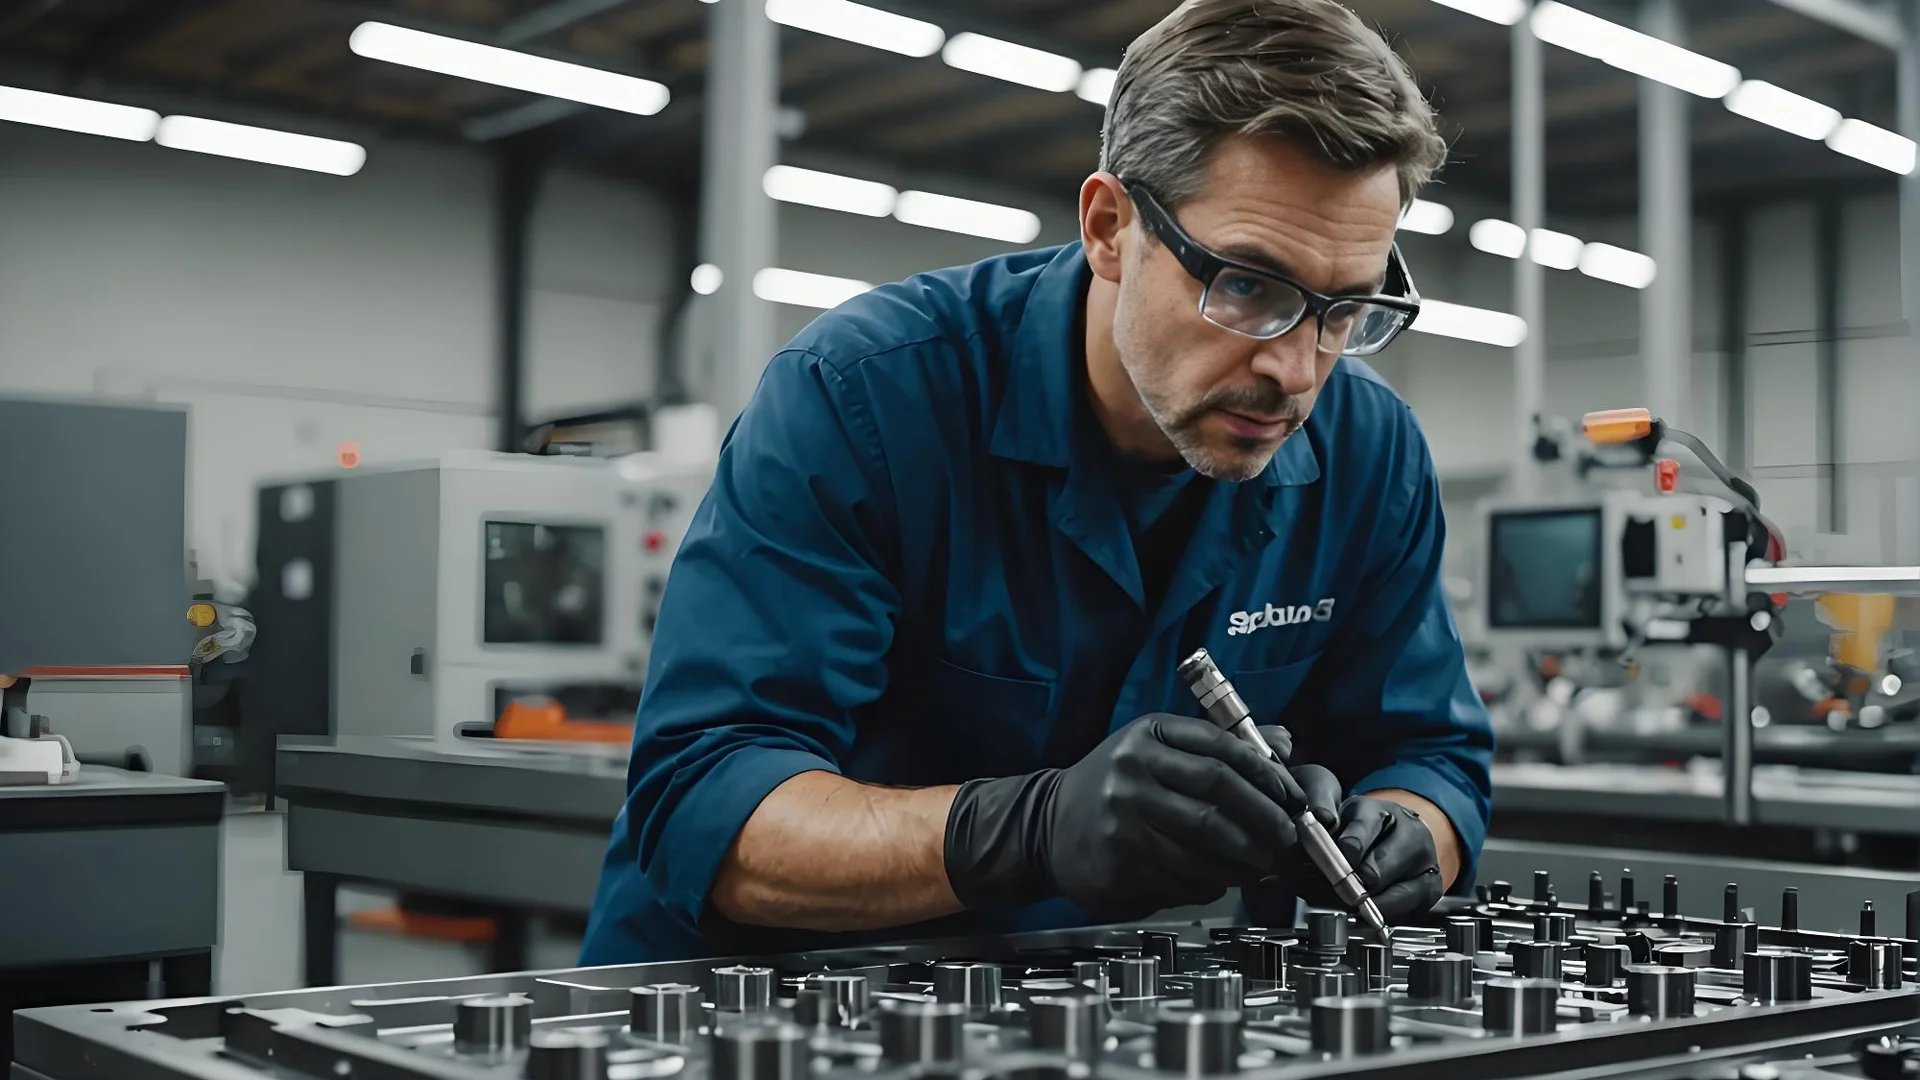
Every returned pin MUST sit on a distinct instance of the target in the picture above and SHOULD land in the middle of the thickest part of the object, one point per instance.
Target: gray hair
(1308, 71)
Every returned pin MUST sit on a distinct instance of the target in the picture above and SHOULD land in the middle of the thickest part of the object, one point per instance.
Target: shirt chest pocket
(1271, 692)
(987, 725)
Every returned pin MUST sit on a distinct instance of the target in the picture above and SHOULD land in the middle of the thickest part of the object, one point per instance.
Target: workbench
(110, 889)
(518, 827)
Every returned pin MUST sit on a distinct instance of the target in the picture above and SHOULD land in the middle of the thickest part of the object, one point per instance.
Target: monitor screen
(545, 584)
(1544, 569)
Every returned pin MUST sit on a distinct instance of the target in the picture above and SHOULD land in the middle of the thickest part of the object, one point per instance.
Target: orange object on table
(547, 721)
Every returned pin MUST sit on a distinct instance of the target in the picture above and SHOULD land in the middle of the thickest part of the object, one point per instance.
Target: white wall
(294, 311)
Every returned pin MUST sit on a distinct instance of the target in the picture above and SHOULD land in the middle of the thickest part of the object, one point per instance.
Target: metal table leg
(321, 929)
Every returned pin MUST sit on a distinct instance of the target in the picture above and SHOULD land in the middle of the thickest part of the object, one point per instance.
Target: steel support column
(737, 221)
(1828, 265)
(1666, 229)
(518, 188)
(1529, 277)
(1907, 510)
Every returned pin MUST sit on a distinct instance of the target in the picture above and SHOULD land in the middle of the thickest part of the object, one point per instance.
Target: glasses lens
(1252, 304)
(1357, 329)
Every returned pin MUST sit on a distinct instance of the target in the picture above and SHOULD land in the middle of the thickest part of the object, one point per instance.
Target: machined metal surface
(1439, 1013)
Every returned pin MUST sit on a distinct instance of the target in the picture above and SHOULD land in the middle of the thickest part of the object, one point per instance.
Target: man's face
(1224, 400)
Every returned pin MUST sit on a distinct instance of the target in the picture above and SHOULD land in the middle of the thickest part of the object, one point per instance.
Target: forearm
(1446, 842)
(822, 852)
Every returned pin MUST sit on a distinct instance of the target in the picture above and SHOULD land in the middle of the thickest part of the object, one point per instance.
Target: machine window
(545, 584)
(1544, 570)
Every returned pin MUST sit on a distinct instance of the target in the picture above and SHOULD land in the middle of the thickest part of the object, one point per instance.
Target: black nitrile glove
(1390, 849)
(1169, 810)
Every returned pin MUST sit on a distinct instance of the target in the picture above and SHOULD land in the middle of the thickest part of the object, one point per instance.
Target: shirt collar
(1034, 422)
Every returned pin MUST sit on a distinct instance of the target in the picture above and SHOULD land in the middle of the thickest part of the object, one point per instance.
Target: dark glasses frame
(1204, 265)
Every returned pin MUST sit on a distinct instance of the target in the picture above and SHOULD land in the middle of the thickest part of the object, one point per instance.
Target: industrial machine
(422, 599)
(1502, 986)
(93, 569)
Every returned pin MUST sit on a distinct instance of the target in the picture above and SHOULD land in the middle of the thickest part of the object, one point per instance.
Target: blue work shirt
(910, 571)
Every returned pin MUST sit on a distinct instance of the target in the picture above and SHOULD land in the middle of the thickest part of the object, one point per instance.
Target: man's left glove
(1391, 851)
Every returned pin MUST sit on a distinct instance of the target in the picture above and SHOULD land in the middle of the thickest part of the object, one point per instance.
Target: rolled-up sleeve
(778, 614)
(1400, 710)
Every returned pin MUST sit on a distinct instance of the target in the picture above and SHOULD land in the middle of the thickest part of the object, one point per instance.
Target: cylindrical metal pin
(921, 1032)
(761, 1049)
(1537, 959)
(1135, 976)
(1869, 925)
(1605, 964)
(738, 988)
(845, 999)
(1520, 1006)
(1542, 886)
(1070, 1024)
(1213, 990)
(664, 1012)
(567, 1054)
(975, 985)
(1463, 936)
(1874, 965)
(1164, 947)
(1440, 978)
(1790, 908)
(1776, 975)
(492, 1024)
(1196, 1042)
(1596, 893)
(1345, 1027)
(1373, 961)
(1660, 992)
(1670, 897)
(1626, 891)
(1311, 982)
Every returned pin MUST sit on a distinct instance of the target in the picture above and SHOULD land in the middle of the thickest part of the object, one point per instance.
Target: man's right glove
(1169, 810)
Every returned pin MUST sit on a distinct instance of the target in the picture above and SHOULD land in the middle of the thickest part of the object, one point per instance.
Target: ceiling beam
(550, 19)
(1878, 23)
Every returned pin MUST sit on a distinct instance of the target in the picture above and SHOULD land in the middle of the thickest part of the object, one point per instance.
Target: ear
(1105, 213)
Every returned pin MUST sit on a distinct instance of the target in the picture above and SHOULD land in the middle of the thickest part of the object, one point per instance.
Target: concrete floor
(260, 931)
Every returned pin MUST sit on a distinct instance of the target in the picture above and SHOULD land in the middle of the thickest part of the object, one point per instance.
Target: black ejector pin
(1670, 897)
(1596, 893)
(1730, 911)
(1867, 920)
(1790, 908)
(1626, 891)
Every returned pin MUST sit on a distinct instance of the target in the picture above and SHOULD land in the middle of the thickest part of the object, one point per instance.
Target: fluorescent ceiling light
(1784, 109)
(1504, 12)
(264, 145)
(707, 279)
(1555, 250)
(504, 67)
(984, 55)
(828, 191)
(802, 289)
(1470, 323)
(1618, 265)
(1496, 237)
(859, 24)
(77, 114)
(1008, 223)
(1096, 86)
(1873, 145)
(1632, 51)
(1426, 217)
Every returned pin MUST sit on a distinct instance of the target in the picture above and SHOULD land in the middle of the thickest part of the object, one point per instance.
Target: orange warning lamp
(348, 455)
(1612, 427)
(201, 615)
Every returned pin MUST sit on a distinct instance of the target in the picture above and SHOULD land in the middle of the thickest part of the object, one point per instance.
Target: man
(914, 671)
